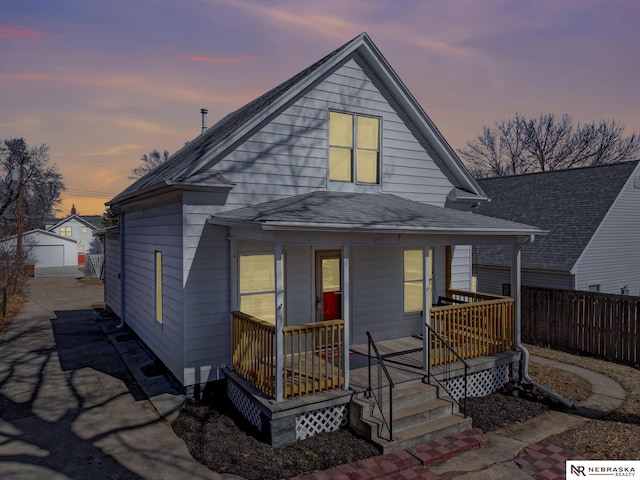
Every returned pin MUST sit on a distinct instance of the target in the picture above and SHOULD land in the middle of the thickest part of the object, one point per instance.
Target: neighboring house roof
(570, 204)
(73, 217)
(205, 150)
(40, 231)
(380, 212)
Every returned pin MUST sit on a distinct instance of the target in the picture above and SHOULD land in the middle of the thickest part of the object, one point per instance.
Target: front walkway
(516, 452)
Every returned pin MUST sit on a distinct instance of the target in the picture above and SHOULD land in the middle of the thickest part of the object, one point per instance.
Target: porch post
(346, 303)
(426, 308)
(516, 293)
(279, 347)
(233, 275)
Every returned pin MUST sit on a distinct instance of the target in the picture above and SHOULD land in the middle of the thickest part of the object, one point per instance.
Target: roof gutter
(364, 228)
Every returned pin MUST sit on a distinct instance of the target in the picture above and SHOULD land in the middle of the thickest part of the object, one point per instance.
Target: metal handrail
(447, 369)
(370, 391)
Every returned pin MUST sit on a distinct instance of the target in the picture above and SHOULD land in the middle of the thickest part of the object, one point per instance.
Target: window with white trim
(413, 280)
(257, 289)
(354, 148)
(66, 231)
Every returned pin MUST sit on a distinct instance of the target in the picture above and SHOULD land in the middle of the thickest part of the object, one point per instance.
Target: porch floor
(405, 355)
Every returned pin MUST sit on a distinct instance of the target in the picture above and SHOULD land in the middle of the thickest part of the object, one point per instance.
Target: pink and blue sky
(103, 82)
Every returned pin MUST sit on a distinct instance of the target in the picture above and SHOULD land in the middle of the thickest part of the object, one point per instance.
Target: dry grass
(617, 435)
(14, 305)
(570, 386)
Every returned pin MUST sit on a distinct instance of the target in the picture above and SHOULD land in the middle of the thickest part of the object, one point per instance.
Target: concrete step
(404, 394)
(424, 432)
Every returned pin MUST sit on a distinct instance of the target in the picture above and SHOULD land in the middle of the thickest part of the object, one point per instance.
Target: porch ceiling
(367, 213)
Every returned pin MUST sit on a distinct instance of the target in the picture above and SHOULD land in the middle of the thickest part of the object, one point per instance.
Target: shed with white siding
(46, 249)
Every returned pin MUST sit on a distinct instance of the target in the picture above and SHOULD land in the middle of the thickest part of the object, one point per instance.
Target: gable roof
(570, 204)
(203, 151)
(365, 212)
(40, 231)
(73, 217)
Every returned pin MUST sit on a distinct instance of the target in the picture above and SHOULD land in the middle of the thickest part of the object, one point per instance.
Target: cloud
(200, 58)
(141, 125)
(98, 81)
(113, 150)
(7, 32)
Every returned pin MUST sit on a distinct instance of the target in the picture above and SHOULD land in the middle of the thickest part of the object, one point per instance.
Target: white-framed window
(257, 285)
(85, 229)
(158, 286)
(66, 231)
(413, 281)
(354, 148)
(80, 248)
(594, 287)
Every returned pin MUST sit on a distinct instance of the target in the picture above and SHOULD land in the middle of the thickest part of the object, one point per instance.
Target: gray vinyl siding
(491, 279)
(207, 320)
(461, 267)
(612, 257)
(112, 284)
(299, 284)
(288, 155)
(146, 228)
(377, 289)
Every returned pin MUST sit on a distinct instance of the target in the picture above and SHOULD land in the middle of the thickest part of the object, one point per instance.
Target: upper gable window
(354, 148)
(66, 231)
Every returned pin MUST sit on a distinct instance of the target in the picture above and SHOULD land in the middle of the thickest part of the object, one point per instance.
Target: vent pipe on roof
(204, 112)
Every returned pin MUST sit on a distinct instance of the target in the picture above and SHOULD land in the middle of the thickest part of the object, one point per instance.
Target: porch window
(258, 286)
(413, 280)
(354, 144)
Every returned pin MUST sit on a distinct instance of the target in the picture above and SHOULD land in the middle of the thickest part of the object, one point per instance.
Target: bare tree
(148, 162)
(520, 145)
(42, 184)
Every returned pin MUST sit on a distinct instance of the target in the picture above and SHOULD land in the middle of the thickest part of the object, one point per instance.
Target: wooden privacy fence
(603, 325)
(313, 355)
(473, 329)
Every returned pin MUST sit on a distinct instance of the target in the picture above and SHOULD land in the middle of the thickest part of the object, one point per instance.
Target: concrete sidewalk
(69, 408)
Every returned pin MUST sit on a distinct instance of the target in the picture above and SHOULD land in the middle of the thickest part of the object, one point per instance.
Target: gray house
(266, 248)
(593, 218)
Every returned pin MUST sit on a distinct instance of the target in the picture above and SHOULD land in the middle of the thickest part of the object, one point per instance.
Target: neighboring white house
(48, 249)
(331, 198)
(76, 228)
(593, 218)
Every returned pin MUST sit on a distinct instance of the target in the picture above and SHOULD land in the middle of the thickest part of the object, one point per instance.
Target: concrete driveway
(69, 407)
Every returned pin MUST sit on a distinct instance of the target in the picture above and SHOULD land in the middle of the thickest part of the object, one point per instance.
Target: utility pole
(20, 207)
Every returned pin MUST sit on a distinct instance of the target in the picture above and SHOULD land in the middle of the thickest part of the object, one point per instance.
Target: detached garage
(49, 249)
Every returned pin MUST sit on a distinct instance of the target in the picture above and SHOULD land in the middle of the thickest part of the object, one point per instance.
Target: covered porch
(400, 271)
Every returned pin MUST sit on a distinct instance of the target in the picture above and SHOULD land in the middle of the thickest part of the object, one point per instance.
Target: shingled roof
(204, 151)
(324, 210)
(570, 204)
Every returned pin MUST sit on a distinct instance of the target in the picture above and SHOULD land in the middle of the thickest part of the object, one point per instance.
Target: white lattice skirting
(479, 384)
(245, 406)
(320, 421)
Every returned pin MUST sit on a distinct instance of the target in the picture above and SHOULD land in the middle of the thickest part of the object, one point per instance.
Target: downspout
(122, 289)
(516, 288)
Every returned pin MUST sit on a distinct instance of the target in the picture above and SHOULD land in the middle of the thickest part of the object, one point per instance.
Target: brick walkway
(406, 464)
(544, 461)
